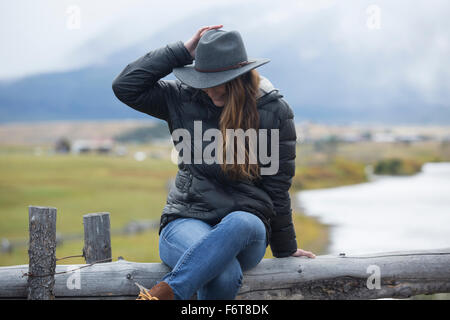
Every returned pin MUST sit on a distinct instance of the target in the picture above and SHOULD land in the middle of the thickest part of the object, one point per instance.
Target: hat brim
(201, 80)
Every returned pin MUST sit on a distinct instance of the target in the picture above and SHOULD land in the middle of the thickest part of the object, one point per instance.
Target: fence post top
(96, 214)
(42, 208)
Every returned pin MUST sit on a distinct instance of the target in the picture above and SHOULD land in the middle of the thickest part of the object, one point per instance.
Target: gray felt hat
(220, 57)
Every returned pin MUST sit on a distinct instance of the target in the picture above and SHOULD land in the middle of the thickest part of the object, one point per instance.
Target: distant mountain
(322, 79)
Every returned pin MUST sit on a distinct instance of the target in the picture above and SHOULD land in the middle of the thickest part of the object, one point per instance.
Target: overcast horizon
(354, 56)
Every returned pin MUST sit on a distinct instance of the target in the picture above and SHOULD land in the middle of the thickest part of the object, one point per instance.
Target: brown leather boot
(161, 291)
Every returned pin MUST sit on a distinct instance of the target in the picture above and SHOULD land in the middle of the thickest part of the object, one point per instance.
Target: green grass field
(77, 185)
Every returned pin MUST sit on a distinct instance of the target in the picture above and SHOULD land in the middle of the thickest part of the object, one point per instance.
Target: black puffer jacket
(202, 191)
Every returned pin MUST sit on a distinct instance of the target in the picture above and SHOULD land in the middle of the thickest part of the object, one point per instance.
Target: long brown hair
(240, 112)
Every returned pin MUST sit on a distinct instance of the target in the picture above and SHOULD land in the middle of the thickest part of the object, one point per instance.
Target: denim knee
(247, 223)
(225, 286)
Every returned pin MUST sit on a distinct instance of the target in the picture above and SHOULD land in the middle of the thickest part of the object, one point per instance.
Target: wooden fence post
(42, 253)
(97, 237)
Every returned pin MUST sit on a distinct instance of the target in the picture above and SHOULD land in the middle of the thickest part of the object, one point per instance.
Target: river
(389, 213)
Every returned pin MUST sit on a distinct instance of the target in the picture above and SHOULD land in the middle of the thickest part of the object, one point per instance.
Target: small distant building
(62, 145)
(383, 137)
(92, 145)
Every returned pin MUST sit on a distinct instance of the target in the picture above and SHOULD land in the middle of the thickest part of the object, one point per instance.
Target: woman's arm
(283, 239)
(139, 85)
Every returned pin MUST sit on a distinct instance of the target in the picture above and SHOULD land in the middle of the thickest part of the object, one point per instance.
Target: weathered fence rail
(402, 274)
(381, 275)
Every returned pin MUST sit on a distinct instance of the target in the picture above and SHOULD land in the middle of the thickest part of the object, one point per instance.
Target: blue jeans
(209, 259)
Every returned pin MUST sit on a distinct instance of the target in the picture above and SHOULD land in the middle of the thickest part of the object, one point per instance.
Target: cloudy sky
(411, 36)
(36, 36)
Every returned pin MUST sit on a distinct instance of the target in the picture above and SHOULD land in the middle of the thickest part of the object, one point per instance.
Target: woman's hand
(191, 44)
(301, 252)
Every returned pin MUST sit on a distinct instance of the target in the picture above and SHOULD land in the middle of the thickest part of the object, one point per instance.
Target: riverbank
(390, 213)
(348, 164)
(326, 165)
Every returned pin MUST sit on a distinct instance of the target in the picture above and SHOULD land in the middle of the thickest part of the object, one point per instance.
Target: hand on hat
(191, 44)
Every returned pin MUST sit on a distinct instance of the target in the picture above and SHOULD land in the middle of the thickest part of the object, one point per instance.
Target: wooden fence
(131, 228)
(371, 276)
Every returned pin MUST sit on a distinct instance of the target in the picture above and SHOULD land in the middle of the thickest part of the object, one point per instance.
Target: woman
(219, 217)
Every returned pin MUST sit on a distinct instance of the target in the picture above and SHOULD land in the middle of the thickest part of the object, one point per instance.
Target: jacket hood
(267, 92)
